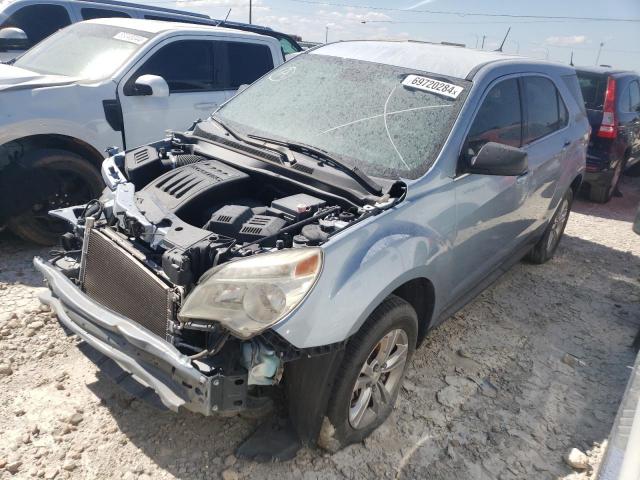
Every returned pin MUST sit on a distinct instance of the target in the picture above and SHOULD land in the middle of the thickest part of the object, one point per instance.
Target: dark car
(612, 99)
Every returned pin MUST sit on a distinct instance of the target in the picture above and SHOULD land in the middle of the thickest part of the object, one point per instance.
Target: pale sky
(416, 19)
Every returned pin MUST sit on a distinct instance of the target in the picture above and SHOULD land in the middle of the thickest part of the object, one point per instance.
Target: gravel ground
(531, 369)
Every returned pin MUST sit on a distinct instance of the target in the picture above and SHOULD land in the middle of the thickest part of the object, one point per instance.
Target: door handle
(205, 105)
(567, 143)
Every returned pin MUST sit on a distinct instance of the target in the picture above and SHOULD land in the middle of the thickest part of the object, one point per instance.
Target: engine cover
(191, 185)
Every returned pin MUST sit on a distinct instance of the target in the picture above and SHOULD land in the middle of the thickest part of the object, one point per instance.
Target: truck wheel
(368, 381)
(544, 250)
(75, 181)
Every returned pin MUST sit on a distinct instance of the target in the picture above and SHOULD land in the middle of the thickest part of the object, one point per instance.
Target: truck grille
(117, 280)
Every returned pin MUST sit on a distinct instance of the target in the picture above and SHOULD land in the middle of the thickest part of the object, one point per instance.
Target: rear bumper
(148, 358)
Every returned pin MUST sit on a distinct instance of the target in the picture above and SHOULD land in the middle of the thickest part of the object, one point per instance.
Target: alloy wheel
(379, 379)
(559, 221)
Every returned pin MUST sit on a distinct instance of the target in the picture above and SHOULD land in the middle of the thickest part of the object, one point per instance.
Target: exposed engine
(197, 212)
(171, 213)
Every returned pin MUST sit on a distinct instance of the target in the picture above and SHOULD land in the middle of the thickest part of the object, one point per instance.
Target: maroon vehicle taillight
(609, 125)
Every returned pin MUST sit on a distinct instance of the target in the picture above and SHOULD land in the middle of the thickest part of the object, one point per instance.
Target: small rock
(26, 438)
(5, 369)
(51, 473)
(75, 419)
(19, 412)
(230, 475)
(488, 389)
(572, 361)
(69, 465)
(37, 325)
(13, 467)
(230, 461)
(577, 459)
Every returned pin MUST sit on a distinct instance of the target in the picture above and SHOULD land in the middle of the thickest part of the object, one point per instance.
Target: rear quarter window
(573, 85)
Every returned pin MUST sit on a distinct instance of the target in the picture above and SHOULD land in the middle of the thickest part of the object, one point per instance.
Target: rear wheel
(71, 180)
(602, 194)
(372, 371)
(546, 247)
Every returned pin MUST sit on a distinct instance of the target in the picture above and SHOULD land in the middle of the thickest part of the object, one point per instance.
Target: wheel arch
(576, 184)
(20, 147)
(420, 294)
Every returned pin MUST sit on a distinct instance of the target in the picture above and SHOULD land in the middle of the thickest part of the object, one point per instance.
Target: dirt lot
(532, 368)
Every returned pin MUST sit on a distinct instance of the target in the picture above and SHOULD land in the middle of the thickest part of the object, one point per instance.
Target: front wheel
(71, 180)
(545, 248)
(372, 371)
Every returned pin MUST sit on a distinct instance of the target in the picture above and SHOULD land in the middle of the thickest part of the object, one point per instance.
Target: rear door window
(593, 86)
(546, 111)
(243, 63)
(499, 118)
(91, 13)
(38, 21)
(186, 66)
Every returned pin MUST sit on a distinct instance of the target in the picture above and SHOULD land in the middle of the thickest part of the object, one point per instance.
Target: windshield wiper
(325, 157)
(282, 152)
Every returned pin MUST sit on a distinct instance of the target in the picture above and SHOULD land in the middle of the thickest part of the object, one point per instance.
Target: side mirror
(151, 85)
(242, 88)
(12, 38)
(498, 159)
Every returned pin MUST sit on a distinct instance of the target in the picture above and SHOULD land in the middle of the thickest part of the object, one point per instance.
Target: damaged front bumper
(152, 361)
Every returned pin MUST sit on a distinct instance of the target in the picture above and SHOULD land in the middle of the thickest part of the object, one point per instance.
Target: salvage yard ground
(532, 368)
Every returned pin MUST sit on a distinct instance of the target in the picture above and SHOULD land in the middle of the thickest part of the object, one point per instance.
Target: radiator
(116, 279)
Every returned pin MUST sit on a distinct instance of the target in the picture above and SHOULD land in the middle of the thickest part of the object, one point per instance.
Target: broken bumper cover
(150, 359)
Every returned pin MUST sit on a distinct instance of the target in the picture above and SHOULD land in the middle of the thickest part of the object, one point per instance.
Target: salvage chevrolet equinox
(306, 237)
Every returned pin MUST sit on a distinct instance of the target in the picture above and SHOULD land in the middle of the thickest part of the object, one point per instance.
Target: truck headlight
(248, 296)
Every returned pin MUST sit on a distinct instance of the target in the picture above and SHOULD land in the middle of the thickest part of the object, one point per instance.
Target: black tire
(602, 194)
(76, 181)
(546, 247)
(393, 315)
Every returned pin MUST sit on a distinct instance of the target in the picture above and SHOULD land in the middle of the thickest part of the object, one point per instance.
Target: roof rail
(149, 7)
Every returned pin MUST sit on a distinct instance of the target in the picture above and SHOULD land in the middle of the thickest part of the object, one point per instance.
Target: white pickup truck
(104, 83)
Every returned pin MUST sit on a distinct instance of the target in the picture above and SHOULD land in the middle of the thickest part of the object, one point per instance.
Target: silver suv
(311, 232)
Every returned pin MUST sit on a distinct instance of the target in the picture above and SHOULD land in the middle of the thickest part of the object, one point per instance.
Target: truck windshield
(368, 114)
(88, 51)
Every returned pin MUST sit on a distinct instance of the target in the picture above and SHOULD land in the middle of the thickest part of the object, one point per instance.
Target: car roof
(605, 70)
(452, 61)
(159, 26)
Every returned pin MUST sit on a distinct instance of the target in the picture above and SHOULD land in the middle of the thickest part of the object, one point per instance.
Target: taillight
(609, 125)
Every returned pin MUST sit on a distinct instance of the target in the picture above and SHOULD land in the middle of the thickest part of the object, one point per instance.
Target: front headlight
(247, 296)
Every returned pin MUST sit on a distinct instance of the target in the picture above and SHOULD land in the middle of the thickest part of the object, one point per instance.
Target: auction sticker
(130, 37)
(433, 86)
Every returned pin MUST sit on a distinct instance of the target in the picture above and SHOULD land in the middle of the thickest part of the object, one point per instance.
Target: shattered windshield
(359, 111)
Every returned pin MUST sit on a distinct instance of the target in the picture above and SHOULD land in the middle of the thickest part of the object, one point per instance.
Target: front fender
(362, 267)
(72, 111)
